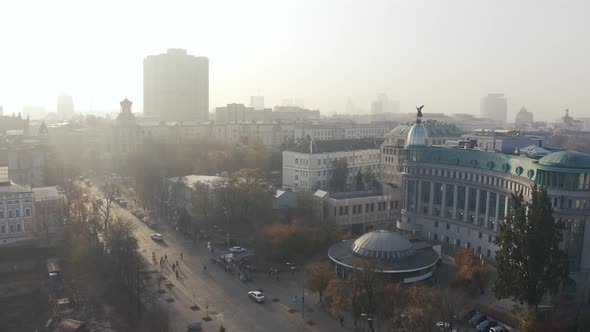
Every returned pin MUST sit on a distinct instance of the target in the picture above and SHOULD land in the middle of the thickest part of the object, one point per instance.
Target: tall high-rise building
(176, 86)
(384, 105)
(65, 107)
(494, 106)
(257, 102)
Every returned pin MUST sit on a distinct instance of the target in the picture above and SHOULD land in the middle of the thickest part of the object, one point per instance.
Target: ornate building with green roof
(458, 197)
(392, 149)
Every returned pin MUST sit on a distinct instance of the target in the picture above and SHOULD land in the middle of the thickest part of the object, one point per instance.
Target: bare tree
(103, 207)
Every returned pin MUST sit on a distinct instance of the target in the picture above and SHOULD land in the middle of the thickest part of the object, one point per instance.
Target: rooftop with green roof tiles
(572, 165)
(434, 129)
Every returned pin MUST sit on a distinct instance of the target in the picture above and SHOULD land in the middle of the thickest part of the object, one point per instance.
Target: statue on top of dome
(419, 113)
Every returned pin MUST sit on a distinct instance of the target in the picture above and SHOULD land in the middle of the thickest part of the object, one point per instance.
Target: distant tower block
(176, 86)
(65, 107)
(257, 102)
(494, 106)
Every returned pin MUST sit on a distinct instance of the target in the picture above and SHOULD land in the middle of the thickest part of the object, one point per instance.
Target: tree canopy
(339, 175)
(529, 261)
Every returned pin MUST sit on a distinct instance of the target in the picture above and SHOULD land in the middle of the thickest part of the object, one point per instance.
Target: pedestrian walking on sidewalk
(177, 274)
(166, 257)
(176, 263)
(181, 255)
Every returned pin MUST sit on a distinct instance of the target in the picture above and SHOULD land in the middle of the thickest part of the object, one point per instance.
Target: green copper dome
(566, 159)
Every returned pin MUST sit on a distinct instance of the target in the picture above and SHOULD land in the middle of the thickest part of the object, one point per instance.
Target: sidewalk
(286, 293)
(169, 296)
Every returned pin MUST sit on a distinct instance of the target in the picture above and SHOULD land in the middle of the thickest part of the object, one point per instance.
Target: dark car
(485, 325)
(194, 327)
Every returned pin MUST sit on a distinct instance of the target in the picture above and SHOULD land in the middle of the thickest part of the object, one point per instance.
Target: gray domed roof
(568, 159)
(384, 245)
(417, 136)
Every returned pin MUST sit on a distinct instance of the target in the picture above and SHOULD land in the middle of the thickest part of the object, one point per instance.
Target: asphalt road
(225, 296)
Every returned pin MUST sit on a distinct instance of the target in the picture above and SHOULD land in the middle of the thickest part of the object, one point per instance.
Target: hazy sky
(445, 54)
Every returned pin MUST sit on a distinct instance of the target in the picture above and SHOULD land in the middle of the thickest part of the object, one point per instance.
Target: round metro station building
(399, 259)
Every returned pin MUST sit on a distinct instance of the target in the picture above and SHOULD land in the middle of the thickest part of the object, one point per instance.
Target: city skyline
(416, 53)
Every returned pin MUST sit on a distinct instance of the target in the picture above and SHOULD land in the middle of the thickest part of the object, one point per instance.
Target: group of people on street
(274, 271)
(164, 259)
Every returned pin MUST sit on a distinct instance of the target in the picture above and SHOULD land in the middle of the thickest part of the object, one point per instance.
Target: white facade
(313, 170)
(16, 211)
(322, 132)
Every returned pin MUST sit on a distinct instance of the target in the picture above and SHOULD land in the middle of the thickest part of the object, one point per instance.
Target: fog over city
(447, 54)
(308, 165)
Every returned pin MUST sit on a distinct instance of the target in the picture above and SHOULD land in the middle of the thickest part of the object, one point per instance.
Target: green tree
(339, 175)
(529, 261)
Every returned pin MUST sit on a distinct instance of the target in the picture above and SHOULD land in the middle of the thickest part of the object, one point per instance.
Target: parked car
(145, 219)
(157, 237)
(194, 327)
(478, 318)
(499, 329)
(237, 249)
(485, 325)
(256, 296)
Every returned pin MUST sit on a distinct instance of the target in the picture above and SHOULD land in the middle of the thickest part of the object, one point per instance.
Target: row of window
(11, 228)
(480, 235)
(484, 179)
(349, 159)
(562, 203)
(15, 213)
(369, 207)
(481, 202)
(566, 181)
(457, 244)
(352, 171)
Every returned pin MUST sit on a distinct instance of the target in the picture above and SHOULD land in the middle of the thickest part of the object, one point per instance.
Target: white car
(157, 237)
(237, 249)
(256, 296)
